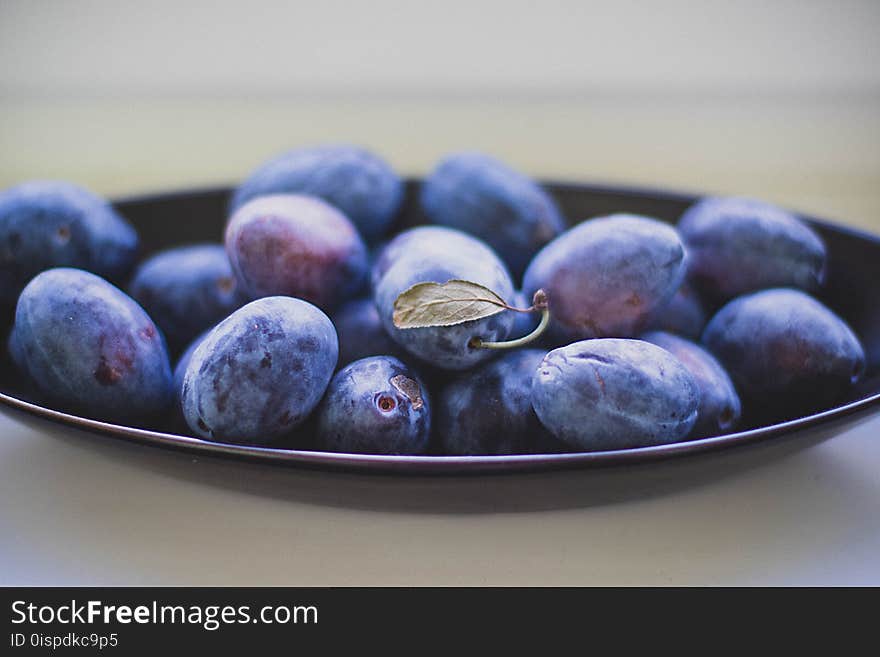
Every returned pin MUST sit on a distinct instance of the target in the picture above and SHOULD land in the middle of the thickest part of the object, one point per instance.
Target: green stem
(477, 343)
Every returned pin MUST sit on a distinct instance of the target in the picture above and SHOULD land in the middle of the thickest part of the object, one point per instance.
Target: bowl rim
(457, 465)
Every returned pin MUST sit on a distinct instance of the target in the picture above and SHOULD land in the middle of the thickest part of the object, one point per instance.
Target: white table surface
(76, 510)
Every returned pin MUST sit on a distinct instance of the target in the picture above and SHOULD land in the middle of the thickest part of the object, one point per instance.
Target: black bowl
(170, 219)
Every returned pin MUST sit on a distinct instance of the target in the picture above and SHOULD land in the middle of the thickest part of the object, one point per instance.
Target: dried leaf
(445, 304)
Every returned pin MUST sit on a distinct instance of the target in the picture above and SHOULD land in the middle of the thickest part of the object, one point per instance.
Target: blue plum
(738, 245)
(720, 406)
(297, 246)
(183, 363)
(607, 276)
(440, 255)
(784, 349)
(427, 241)
(356, 181)
(361, 333)
(260, 372)
(186, 290)
(489, 409)
(89, 348)
(46, 224)
(612, 393)
(14, 350)
(178, 421)
(375, 405)
(684, 314)
(479, 194)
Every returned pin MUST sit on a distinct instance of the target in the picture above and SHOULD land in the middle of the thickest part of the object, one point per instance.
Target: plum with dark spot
(489, 409)
(89, 348)
(361, 333)
(362, 185)
(720, 407)
(46, 224)
(607, 276)
(440, 255)
(187, 290)
(480, 195)
(785, 350)
(298, 246)
(251, 380)
(375, 405)
(611, 393)
(684, 314)
(738, 245)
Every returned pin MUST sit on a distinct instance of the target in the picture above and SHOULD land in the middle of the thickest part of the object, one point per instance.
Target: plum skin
(607, 276)
(481, 195)
(361, 333)
(357, 182)
(46, 224)
(785, 349)
(186, 290)
(489, 409)
(299, 246)
(684, 315)
(614, 393)
(429, 242)
(183, 362)
(260, 372)
(720, 407)
(738, 245)
(440, 255)
(90, 348)
(375, 405)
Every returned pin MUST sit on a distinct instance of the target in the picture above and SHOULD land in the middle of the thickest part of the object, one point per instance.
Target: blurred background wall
(779, 99)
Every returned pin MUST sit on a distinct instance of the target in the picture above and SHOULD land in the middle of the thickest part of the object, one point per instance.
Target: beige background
(779, 101)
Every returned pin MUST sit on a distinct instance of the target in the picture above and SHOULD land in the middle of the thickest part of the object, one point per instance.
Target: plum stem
(539, 304)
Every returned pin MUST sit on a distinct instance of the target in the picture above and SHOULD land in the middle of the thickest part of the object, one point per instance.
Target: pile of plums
(657, 333)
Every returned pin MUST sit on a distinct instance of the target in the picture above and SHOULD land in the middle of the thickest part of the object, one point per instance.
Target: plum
(13, 349)
(375, 405)
(186, 290)
(607, 276)
(89, 348)
(489, 409)
(260, 372)
(361, 333)
(684, 314)
(46, 224)
(183, 363)
(426, 241)
(738, 245)
(440, 255)
(785, 350)
(720, 407)
(178, 422)
(479, 194)
(299, 246)
(613, 393)
(360, 184)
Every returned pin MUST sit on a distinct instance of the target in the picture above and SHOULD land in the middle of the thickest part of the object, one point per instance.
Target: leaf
(445, 304)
